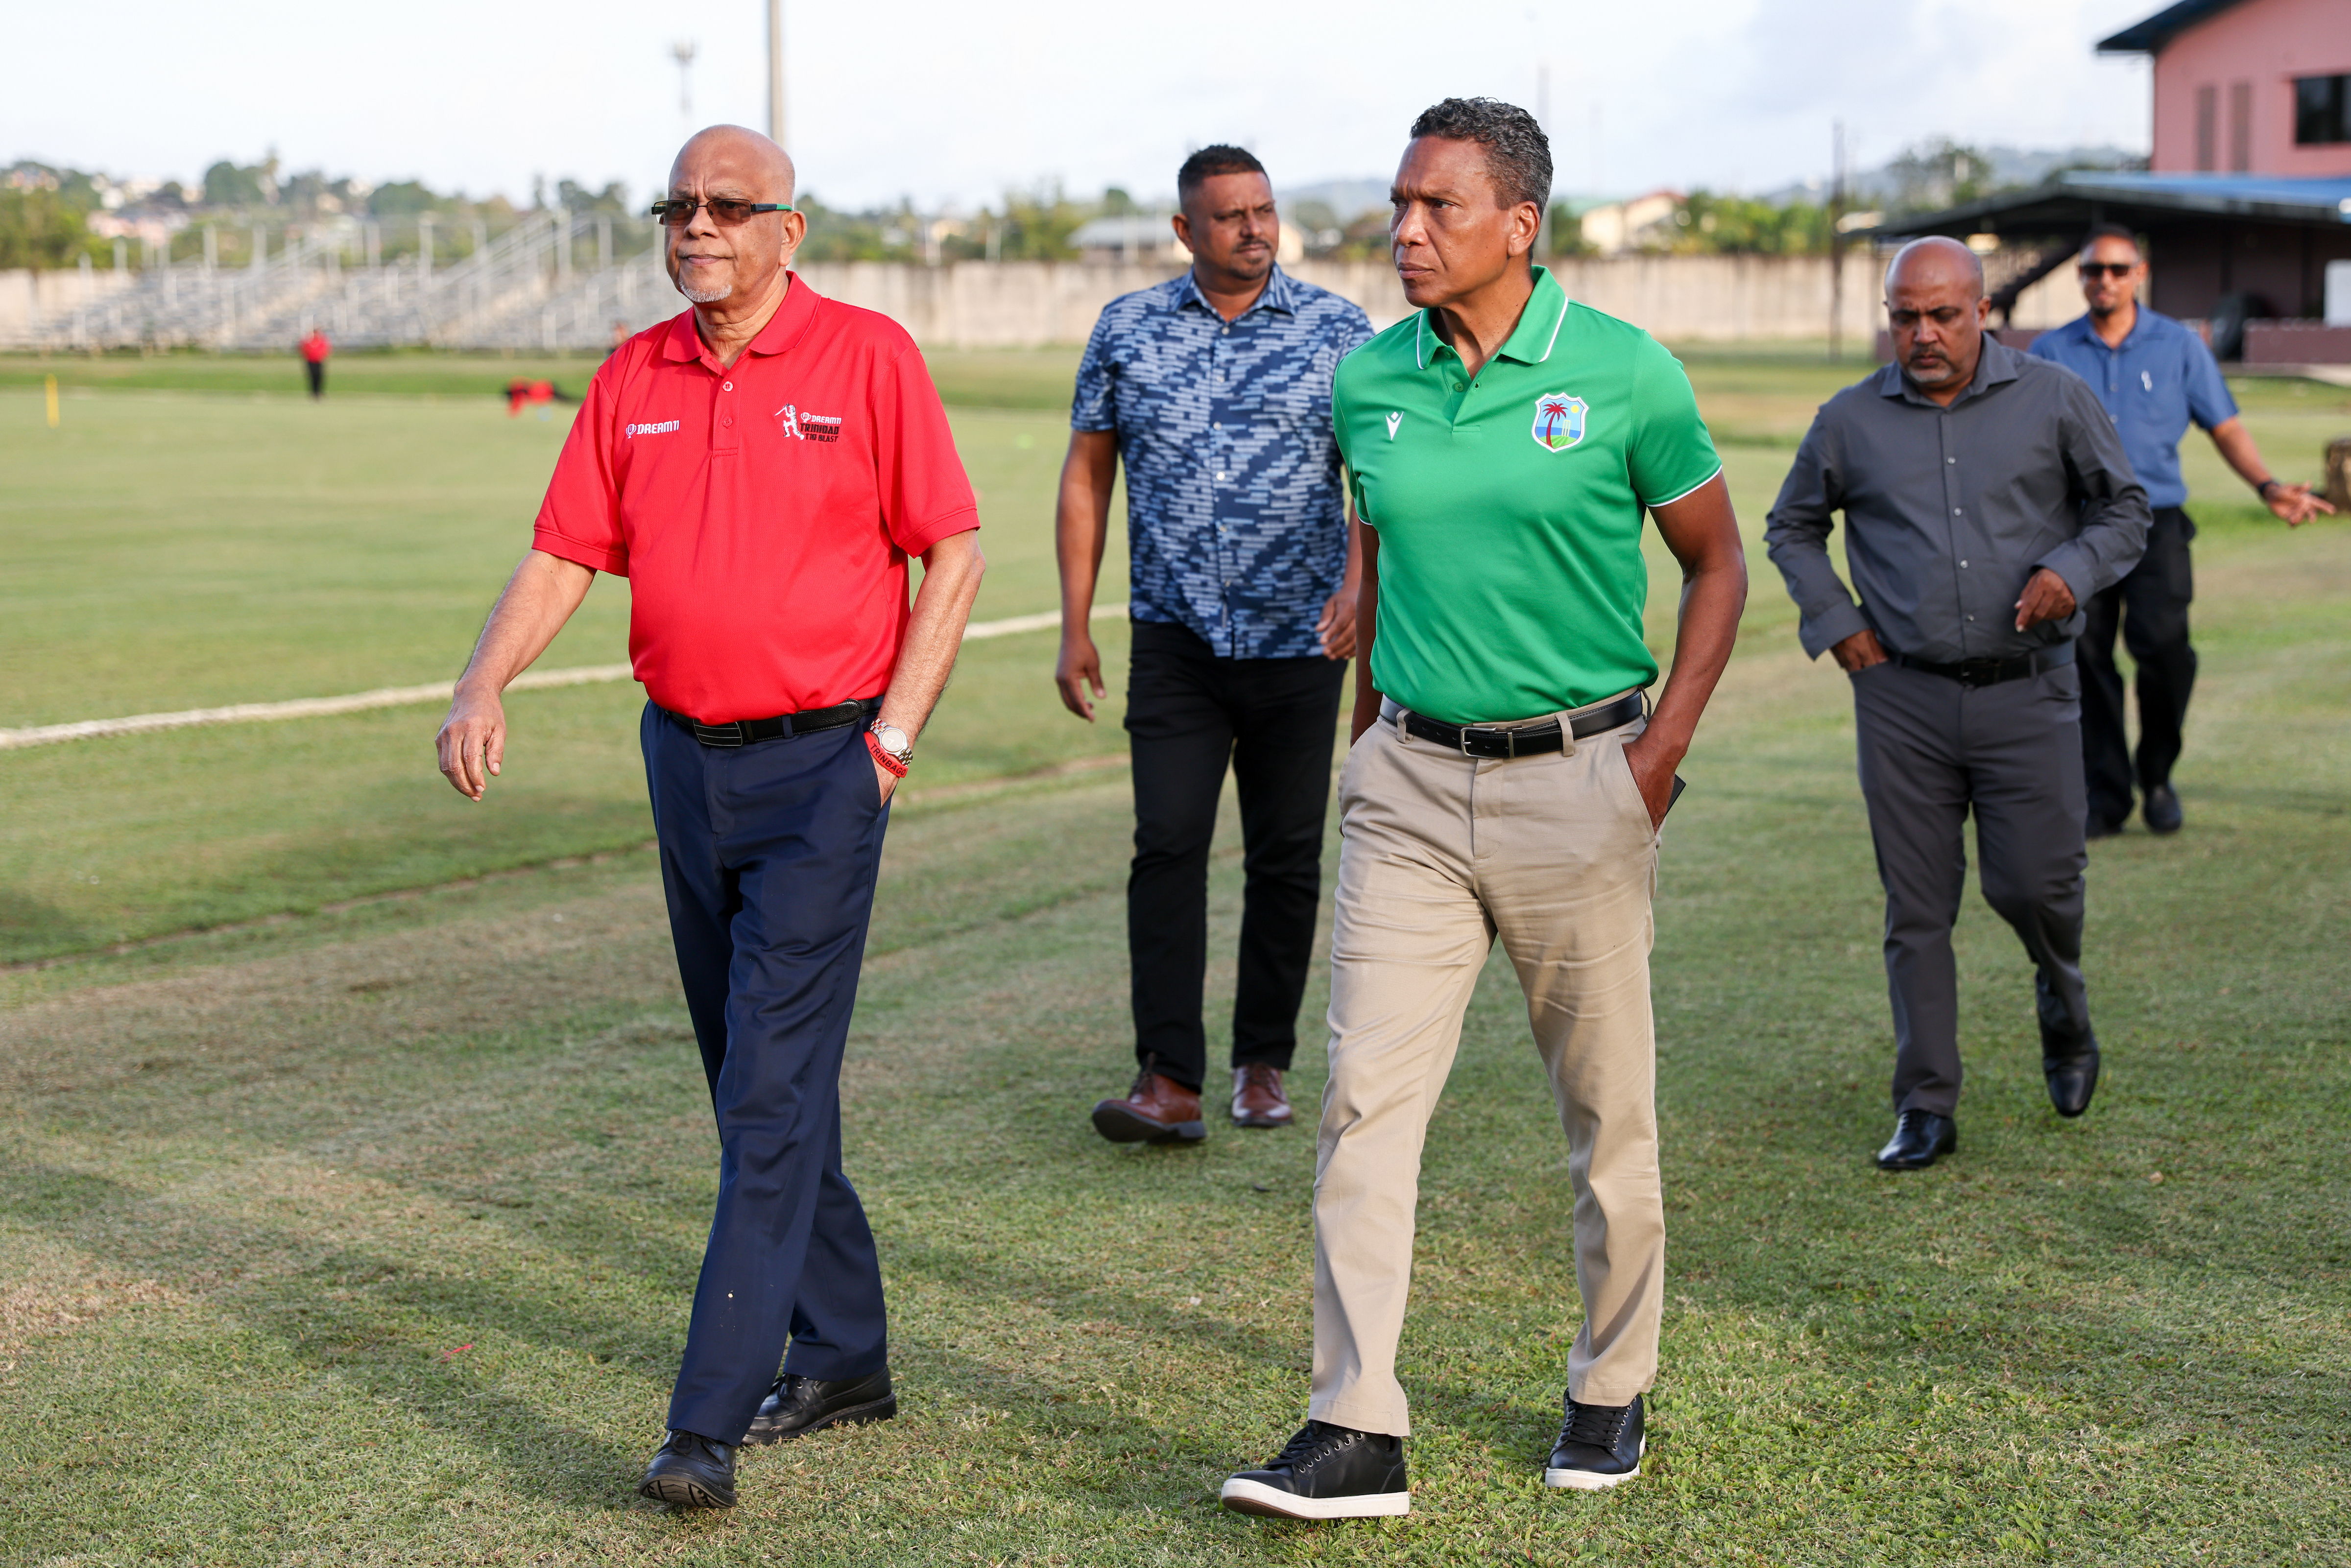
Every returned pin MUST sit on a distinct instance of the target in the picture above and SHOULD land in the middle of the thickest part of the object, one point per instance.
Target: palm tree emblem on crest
(1559, 421)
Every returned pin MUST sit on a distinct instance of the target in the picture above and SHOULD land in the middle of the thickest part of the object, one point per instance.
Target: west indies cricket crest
(1559, 421)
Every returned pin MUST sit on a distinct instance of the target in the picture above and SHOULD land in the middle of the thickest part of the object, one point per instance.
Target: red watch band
(883, 757)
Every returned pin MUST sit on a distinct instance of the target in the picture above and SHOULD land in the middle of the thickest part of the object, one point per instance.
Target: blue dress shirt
(1235, 516)
(2162, 377)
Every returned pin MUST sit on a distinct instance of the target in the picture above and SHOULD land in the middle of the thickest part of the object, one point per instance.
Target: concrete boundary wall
(27, 297)
(1027, 304)
(1681, 299)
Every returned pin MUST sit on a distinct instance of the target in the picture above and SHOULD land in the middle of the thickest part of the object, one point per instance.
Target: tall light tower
(776, 70)
(683, 50)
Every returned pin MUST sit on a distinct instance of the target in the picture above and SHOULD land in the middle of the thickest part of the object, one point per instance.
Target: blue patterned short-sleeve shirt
(1236, 519)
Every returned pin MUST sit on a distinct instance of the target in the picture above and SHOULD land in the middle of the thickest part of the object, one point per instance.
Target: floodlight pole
(776, 70)
(1837, 240)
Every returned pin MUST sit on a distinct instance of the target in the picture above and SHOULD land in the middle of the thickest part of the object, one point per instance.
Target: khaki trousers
(1439, 854)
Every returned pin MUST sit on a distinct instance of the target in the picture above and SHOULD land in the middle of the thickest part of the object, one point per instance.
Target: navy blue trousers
(769, 853)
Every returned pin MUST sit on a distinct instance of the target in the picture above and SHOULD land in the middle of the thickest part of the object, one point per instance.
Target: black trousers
(1188, 714)
(1932, 751)
(316, 371)
(2150, 606)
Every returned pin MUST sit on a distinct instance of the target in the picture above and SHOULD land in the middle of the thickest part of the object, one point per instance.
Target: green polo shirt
(1509, 507)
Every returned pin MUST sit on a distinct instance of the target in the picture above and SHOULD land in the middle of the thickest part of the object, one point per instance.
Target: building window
(2241, 127)
(2321, 110)
(2208, 129)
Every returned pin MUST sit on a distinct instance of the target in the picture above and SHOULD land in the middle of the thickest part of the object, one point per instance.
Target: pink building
(2248, 86)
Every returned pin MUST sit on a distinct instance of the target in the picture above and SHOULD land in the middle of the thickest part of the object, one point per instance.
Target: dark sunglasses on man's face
(724, 213)
(2087, 268)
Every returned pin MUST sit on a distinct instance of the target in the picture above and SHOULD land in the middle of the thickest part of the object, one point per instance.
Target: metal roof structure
(2149, 36)
(2080, 197)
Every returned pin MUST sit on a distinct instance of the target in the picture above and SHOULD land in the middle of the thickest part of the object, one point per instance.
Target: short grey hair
(1518, 153)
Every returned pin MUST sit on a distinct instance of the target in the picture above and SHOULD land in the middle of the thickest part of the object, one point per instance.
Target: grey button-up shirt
(1949, 511)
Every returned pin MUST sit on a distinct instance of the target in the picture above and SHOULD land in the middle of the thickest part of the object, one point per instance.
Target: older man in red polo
(760, 469)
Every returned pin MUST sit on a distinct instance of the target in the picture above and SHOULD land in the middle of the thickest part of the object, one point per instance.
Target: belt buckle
(1977, 673)
(1509, 742)
(728, 735)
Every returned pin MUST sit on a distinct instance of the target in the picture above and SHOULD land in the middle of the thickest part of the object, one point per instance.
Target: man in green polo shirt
(1504, 443)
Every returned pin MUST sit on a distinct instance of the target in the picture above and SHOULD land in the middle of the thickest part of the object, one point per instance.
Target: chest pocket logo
(800, 426)
(1559, 421)
(1394, 420)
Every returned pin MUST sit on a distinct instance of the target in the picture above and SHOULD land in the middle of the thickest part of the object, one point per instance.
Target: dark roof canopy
(2149, 36)
(2073, 201)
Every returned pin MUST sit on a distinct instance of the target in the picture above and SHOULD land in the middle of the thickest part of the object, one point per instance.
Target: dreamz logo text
(663, 427)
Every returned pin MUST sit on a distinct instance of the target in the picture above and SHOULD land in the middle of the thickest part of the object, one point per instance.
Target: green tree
(40, 229)
(228, 184)
(575, 198)
(1939, 172)
(404, 198)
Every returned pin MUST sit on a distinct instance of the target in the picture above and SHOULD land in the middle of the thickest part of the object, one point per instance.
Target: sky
(954, 103)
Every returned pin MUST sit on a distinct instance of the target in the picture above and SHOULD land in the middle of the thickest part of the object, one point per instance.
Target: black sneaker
(797, 1405)
(690, 1471)
(1599, 1445)
(1326, 1472)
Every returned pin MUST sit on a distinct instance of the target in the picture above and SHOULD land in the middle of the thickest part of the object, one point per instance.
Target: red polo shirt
(763, 515)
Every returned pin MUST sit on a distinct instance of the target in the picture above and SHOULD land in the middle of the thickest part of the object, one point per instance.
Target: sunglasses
(724, 211)
(2092, 268)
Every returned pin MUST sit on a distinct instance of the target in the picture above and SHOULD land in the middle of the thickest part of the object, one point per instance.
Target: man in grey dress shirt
(1986, 499)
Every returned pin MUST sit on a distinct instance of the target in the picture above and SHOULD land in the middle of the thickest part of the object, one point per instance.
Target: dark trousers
(768, 856)
(316, 371)
(1189, 714)
(2150, 606)
(1932, 751)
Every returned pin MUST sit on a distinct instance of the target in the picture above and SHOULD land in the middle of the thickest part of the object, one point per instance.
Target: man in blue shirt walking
(1215, 388)
(2154, 376)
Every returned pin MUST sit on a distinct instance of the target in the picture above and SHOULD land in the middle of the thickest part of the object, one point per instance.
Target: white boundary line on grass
(404, 696)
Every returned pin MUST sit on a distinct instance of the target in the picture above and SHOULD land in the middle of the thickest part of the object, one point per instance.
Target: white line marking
(405, 696)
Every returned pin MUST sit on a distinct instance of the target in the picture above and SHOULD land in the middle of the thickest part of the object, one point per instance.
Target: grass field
(365, 1234)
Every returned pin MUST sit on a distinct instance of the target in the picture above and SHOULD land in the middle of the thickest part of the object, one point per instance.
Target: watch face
(892, 737)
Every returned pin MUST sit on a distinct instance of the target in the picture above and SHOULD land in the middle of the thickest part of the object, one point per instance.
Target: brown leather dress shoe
(1157, 1110)
(1259, 1099)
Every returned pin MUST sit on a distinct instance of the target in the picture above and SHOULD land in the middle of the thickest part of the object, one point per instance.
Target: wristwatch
(891, 742)
(2266, 485)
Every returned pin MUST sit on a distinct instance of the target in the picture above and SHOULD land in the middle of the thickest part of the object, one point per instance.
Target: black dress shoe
(690, 1471)
(2099, 827)
(2069, 1053)
(1920, 1138)
(2161, 809)
(1326, 1472)
(1599, 1447)
(797, 1405)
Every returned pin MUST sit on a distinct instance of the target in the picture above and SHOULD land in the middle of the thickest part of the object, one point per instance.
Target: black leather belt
(743, 731)
(1991, 672)
(1526, 740)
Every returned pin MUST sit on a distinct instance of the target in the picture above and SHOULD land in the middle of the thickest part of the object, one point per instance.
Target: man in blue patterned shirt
(1215, 388)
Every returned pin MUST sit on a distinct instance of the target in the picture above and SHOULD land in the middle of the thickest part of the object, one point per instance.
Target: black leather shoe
(797, 1405)
(690, 1471)
(2161, 809)
(1920, 1138)
(1326, 1472)
(2099, 827)
(2069, 1056)
(1599, 1447)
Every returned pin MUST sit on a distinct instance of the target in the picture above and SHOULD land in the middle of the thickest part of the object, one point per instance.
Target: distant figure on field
(760, 468)
(1985, 501)
(2155, 377)
(316, 348)
(1215, 388)
(521, 393)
